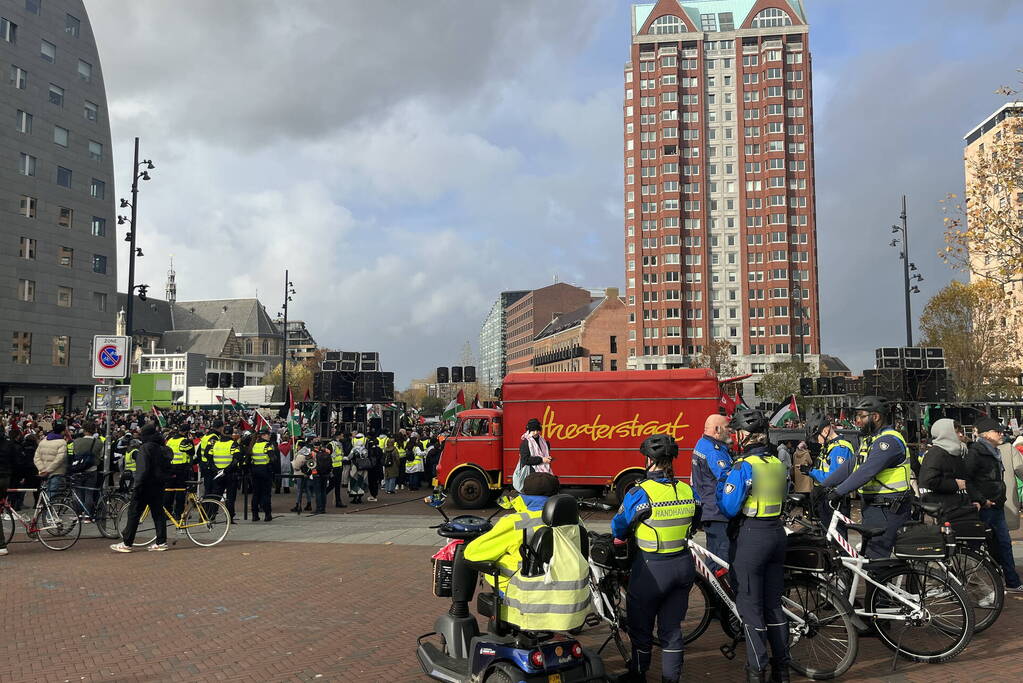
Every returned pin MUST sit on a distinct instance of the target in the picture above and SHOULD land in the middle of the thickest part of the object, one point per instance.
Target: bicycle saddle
(866, 531)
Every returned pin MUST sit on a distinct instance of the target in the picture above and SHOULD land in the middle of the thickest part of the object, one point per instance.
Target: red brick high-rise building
(720, 229)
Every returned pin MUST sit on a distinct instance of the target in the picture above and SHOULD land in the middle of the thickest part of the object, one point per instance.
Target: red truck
(594, 421)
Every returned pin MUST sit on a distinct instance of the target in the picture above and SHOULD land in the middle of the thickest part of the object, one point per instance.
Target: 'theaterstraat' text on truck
(595, 423)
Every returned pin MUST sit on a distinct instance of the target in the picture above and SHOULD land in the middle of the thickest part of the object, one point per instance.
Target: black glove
(834, 497)
(804, 469)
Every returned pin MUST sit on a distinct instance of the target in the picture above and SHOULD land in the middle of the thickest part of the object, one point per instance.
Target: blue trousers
(758, 563)
(659, 591)
(889, 519)
(717, 541)
(1000, 543)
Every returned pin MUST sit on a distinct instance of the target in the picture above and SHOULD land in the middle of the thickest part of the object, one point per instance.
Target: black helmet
(815, 423)
(659, 448)
(749, 420)
(873, 404)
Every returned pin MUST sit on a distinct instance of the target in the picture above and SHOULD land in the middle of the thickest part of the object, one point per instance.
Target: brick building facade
(588, 339)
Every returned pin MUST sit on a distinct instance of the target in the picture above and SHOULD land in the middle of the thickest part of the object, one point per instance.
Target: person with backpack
(393, 463)
(358, 469)
(86, 456)
(152, 467)
(324, 467)
(302, 465)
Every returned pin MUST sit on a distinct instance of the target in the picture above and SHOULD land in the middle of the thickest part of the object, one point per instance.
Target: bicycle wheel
(943, 626)
(59, 526)
(145, 533)
(211, 526)
(823, 639)
(982, 579)
(106, 512)
(7, 525)
(700, 612)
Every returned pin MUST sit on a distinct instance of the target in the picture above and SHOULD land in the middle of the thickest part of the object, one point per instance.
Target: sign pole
(108, 464)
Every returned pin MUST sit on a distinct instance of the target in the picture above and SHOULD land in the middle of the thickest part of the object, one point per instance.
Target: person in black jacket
(152, 465)
(986, 486)
(540, 444)
(8, 453)
(942, 476)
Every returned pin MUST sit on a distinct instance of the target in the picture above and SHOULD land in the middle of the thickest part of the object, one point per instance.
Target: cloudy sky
(408, 161)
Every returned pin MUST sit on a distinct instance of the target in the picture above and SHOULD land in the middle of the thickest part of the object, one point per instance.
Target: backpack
(360, 456)
(83, 461)
(389, 459)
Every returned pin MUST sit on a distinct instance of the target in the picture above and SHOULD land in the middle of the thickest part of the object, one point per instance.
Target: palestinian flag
(311, 412)
(235, 405)
(739, 400)
(258, 421)
(788, 411)
(158, 416)
(476, 402)
(726, 404)
(294, 426)
(457, 405)
(307, 397)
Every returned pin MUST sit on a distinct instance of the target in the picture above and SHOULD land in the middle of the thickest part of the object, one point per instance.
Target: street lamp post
(907, 267)
(130, 238)
(289, 289)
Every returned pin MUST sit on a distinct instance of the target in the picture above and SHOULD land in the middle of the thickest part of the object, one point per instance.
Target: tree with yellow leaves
(969, 322)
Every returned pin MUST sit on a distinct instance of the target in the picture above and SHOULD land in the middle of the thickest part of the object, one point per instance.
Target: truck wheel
(626, 482)
(469, 490)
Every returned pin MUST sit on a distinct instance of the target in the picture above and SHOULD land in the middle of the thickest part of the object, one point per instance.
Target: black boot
(308, 507)
(755, 676)
(779, 674)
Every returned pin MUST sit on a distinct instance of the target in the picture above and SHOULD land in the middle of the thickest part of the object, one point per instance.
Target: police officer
(337, 467)
(882, 475)
(659, 512)
(182, 454)
(264, 456)
(206, 468)
(751, 495)
(835, 459)
(226, 457)
(712, 458)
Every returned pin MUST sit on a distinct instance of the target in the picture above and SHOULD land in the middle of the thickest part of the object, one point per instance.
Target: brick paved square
(281, 611)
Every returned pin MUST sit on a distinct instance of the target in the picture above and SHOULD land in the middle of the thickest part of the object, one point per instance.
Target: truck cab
(470, 463)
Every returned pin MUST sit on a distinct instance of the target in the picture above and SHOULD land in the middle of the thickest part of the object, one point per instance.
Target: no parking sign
(109, 357)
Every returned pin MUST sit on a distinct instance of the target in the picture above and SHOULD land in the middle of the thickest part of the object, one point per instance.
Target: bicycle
(205, 521)
(824, 639)
(898, 593)
(979, 573)
(56, 525)
(104, 511)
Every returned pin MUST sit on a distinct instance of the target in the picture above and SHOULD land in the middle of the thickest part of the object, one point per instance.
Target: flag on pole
(307, 396)
(726, 404)
(788, 411)
(476, 401)
(294, 428)
(258, 421)
(457, 404)
(235, 405)
(740, 402)
(159, 417)
(219, 398)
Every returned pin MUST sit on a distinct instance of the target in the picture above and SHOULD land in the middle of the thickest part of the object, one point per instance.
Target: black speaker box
(225, 380)
(329, 365)
(318, 386)
(469, 374)
(889, 364)
(934, 352)
(237, 380)
(456, 374)
(824, 386)
(806, 386)
(342, 386)
(442, 375)
(360, 413)
(375, 424)
(838, 385)
(935, 363)
(912, 352)
(212, 380)
(914, 363)
(348, 414)
(889, 352)
(332, 355)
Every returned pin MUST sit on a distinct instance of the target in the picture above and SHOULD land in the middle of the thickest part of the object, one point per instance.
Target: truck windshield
(474, 426)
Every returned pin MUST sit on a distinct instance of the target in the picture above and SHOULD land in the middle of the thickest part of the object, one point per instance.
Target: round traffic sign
(109, 357)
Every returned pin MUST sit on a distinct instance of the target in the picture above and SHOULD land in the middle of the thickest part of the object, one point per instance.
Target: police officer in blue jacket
(751, 495)
(835, 459)
(712, 458)
(659, 512)
(882, 475)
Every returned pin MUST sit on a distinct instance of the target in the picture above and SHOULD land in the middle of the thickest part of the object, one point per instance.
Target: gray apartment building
(58, 263)
(493, 365)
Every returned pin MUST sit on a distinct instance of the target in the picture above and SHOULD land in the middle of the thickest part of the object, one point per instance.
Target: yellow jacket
(501, 544)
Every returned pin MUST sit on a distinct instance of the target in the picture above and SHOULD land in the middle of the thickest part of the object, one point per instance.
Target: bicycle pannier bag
(809, 553)
(970, 531)
(920, 542)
